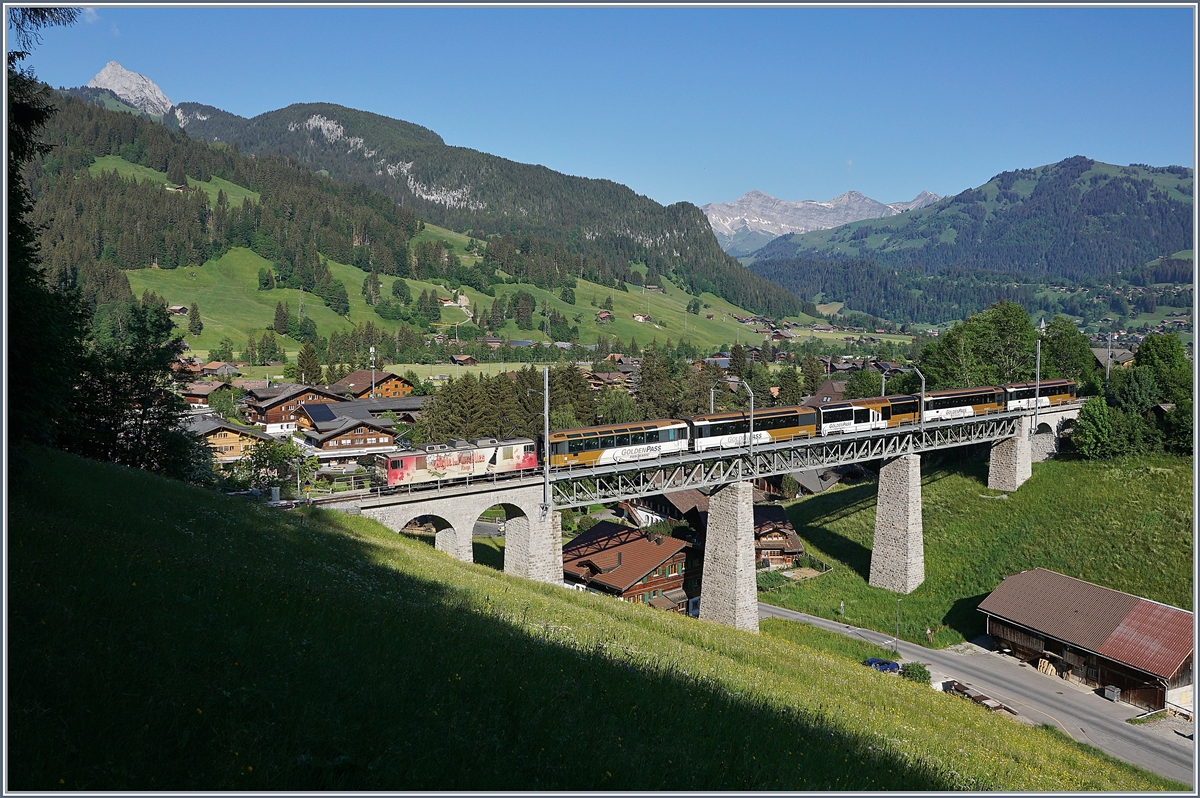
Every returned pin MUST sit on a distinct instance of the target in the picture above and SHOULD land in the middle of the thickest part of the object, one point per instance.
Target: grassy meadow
(166, 638)
(1125, 524)
(114, 163)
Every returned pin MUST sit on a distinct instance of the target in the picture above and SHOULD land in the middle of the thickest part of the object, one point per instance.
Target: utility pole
(372, 372)
(897, 641)
(1037, 389)
(1108, 363)
(545, 508)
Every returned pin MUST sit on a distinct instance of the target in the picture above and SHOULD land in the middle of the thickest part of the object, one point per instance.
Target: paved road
(486, 529)
(1074, 709)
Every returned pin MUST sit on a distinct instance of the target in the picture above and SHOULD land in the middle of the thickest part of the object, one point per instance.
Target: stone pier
(1012, 460)
(532, 546)
(898, 551)
(730, 591)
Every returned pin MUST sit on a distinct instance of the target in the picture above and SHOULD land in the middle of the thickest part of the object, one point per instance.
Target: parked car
(882, 665)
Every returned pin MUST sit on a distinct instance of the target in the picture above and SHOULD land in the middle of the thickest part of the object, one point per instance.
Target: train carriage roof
(616, 429)
(738, 415)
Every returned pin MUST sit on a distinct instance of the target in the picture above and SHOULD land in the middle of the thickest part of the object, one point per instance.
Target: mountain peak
(763, 217)
(137, 90)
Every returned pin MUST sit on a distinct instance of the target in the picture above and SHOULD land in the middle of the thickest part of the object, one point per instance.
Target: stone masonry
(532, 547)
(1011, 461)
(898, 551)
(730, 591)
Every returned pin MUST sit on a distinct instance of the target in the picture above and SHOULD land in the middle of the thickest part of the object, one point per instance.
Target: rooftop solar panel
(319, 412)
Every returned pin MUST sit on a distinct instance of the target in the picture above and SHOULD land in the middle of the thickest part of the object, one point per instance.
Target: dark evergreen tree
(281, 318)
(308, 366)
(737, 360)
(195, 325)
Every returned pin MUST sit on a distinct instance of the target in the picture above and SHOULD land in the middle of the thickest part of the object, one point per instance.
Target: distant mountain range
(754, 220)
(474, 192)
(1077, 220)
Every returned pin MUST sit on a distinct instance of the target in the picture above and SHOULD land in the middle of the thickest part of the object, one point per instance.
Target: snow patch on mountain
(759, 213)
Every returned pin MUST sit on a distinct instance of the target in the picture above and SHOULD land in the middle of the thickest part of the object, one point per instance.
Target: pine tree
(791, 391)
(737, 360)
(814, 374)
(308, 366)
(195, 325)
(281, 319)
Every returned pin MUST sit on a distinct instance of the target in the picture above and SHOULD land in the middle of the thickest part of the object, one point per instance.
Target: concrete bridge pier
(730, 589)
(898, 550)
(1012, 459)
(533, 543)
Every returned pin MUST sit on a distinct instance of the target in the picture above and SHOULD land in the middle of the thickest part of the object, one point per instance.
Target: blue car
(882, 665)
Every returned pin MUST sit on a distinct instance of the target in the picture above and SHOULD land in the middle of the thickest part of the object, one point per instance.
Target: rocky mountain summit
(136, 90)
(756, 218)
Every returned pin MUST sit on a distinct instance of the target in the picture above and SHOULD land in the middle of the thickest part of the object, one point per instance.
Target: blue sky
(696, 104)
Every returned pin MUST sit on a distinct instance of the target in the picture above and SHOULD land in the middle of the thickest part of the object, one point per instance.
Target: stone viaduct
(533, 544)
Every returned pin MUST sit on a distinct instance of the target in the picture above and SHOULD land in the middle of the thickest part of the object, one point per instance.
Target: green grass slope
(226, 291)
(1124, 524)
(114, 163)
(165, 638)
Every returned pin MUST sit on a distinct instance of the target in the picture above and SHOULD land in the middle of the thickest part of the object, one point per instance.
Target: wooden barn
(1097, 636)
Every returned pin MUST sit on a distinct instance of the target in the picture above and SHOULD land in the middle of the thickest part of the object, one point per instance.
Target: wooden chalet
(775, 540)
(197, 393)
(276, 408)
(351, 439)
(358, 384)
(463, 360)
(229, 442)
(1096, 636)
(325, 417)
(830, 391)
(636, 566)
(599, 380)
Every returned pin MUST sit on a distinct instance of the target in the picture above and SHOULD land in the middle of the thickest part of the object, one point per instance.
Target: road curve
(1075, 710)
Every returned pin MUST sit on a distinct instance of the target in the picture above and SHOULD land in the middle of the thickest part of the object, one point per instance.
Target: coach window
(606, 441)
(652, 436)
(575, 446)
(622, 440)
(862, 416)
(637, 438)
(591, 444)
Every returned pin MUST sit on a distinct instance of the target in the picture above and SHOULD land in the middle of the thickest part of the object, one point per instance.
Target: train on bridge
(647, 440)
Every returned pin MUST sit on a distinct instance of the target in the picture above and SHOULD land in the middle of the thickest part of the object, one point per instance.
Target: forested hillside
(1077, 220)
(470, 191)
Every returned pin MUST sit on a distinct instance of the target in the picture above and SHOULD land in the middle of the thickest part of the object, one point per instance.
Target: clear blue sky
(691, 103)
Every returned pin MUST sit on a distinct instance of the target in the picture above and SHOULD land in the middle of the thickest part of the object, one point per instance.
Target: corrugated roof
(1144, 634)
(1071, 610)
(1153, 637)
(600, 545)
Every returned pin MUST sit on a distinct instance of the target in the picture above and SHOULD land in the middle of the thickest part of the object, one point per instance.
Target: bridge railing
(575, 486)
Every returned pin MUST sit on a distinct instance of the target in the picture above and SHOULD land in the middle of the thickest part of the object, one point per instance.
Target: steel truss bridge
(582, 486)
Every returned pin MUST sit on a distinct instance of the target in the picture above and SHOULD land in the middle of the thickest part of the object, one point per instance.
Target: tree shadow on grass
(812, 516)
(489, 552)
(313, 665)
(964, 617)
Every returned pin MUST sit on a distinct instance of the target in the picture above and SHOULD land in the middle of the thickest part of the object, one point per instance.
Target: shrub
(586, 523)
(915, 671)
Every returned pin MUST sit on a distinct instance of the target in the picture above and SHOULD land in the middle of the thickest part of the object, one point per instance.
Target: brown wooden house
(635, 566)
(276, 408)
(352, 439)
(387, 384)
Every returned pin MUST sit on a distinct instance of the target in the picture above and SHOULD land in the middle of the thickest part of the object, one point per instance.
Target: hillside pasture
(113, 163)
(1123, 524)
(166, 638)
